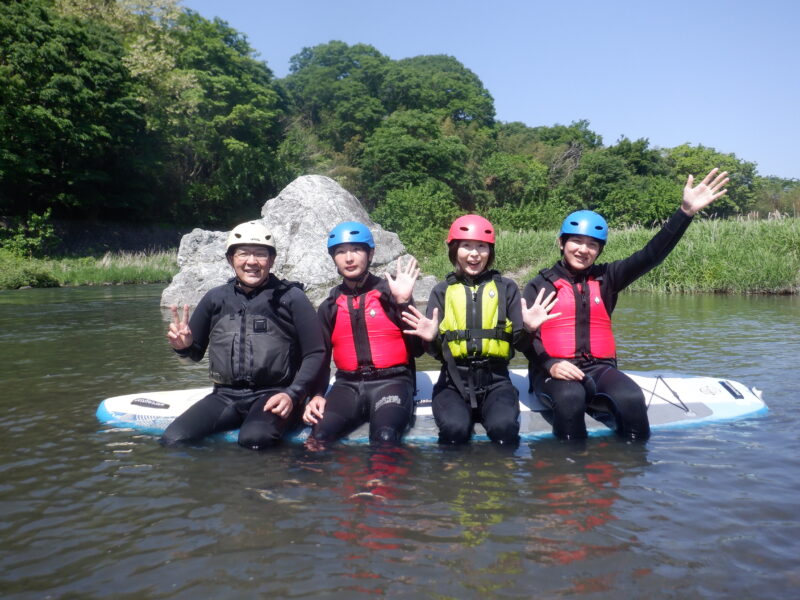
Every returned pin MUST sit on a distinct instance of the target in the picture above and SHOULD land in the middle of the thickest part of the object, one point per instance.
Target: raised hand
(537, 313)
(704, 193)
(420, 325)
(179, 334)
(402, 282)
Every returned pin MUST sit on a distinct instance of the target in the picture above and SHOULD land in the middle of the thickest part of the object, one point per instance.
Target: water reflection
(96, 512)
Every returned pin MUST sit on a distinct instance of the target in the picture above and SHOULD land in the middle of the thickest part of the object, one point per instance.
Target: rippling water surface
(89, 512)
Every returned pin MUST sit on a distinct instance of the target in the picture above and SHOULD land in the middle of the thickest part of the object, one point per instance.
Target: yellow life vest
(470, 327)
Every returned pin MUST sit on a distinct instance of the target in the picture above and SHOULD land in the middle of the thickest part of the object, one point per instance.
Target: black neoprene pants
(231, 408)
(387, 403)
(497, 408)
(606, 394)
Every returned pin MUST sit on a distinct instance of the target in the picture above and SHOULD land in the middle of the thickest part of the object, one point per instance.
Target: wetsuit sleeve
(414, 345)
(310, 341)
(521, 337)
(536, 353)
(327, 315)
(621, 273)
(436, 300)
(200, 325)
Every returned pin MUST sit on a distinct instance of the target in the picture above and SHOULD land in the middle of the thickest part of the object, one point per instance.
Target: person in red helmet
(573, 361)
(475, 321)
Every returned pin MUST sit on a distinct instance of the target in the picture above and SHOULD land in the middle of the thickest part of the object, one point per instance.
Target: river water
(88, 512)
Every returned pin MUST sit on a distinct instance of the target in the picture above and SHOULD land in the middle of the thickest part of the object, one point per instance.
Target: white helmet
(253, 233)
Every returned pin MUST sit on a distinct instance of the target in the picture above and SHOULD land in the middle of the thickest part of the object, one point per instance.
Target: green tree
(224, 152)
(69, 117)
(439, 84)
(639, 158)
(407, 149)
(420, 215)
(335, 88)
(698, 160)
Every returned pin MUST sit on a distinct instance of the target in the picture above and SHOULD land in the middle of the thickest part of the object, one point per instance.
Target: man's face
(252, 264)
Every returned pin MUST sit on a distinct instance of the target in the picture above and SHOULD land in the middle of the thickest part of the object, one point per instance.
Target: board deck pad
(673, 401)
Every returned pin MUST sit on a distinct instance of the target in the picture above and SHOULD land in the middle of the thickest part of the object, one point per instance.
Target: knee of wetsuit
(387, 435)
(453, 436)
(507, 433)
(640, 432)
(260, 442)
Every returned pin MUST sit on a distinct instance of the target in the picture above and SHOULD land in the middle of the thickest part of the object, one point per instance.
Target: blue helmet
(350, 232)
(585, 222)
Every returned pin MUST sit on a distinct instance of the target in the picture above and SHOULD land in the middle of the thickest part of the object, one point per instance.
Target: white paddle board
(673, 401)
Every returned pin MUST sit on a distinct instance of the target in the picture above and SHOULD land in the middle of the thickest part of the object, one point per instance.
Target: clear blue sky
(721, 74)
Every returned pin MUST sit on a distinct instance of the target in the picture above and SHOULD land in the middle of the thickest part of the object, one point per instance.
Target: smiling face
(352, 260)
(252, 264)
(472, 257)
(580, 251)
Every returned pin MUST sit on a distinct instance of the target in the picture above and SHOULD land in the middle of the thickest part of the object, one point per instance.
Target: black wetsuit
(260, 343)
(606, 393)
(383, 395)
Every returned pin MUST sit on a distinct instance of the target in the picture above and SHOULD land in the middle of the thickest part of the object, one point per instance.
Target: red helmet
(471, 227)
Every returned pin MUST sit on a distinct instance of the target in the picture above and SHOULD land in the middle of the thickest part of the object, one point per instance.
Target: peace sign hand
(179, 334)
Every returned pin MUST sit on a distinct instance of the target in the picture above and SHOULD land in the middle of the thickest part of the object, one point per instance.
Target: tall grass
(112, 268)
(731, 256)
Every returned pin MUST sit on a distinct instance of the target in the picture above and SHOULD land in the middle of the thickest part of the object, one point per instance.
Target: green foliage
(34, 237)
(775, 196)
(68, 117)
(17, 272)
(687, 160)
(407, 149)
(639, 158)
(420, 214)
(335, 88)
(147, 111)
(440, 85)
(225, 152)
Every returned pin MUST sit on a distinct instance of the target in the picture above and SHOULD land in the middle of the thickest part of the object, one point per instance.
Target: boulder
(300, 218)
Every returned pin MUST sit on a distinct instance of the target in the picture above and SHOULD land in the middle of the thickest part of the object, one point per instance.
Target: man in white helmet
(264, 343)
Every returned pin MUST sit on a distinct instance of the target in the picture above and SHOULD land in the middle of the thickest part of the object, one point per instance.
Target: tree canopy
(146, 110)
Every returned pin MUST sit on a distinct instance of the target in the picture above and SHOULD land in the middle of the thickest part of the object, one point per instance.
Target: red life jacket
(584, 328)
(364, 336)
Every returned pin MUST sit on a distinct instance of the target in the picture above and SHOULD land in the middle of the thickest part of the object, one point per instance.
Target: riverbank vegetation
(149, 113)
(715, 256)
(109, 269)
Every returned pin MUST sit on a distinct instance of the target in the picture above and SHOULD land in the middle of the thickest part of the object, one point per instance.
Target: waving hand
(402, 282)
(696, 198)
(537, 313)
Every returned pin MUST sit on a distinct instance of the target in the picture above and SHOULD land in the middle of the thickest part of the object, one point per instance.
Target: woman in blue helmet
(362, 326)
(572, 363)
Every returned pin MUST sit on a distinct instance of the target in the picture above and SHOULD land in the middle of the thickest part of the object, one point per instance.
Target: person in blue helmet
(362, 328)
(573, 360)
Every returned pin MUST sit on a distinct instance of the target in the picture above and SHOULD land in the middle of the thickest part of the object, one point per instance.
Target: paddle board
(673, 401)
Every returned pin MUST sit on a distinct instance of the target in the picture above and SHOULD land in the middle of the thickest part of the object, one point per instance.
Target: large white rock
(300, 217)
